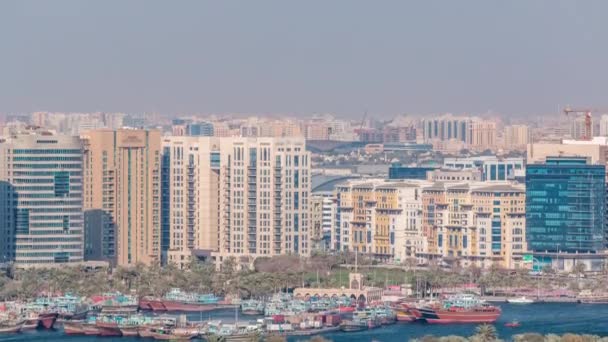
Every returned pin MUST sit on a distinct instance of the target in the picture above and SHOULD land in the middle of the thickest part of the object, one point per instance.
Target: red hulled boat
(47, 320)
(459, 309)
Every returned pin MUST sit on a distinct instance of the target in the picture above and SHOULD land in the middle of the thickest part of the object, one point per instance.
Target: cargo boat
(176, 300)
(48, 319)
(73, 328)
(462, 308)
(354, 325)
(252, 307)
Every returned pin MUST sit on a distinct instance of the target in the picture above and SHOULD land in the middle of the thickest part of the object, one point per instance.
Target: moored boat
(90, 329)
(461, 308)
(354, 325)
(129, 331)
(10, 327)
(73, 328)
(31, 321)
(520, 300)
(177, 300)
(252, 307)
(48, 319)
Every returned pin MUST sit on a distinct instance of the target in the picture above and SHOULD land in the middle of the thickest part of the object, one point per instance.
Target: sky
(518, 57)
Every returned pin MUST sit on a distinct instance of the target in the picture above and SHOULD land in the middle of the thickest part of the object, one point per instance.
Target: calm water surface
(554, 318)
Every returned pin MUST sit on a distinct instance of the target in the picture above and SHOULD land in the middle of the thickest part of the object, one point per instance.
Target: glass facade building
(43, 174)
(565, 206)
(397, 171)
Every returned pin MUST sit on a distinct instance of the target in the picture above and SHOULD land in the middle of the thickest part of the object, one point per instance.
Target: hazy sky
(301, 57)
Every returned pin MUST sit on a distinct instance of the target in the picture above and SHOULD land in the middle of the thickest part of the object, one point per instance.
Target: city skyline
(475, 57)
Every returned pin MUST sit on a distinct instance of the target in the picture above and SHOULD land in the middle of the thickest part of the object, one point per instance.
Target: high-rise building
(122, 195)
(483, 134)
(517, 137)
(603, 130)
(190, 198)
(565, 211)
(265, 188)
(234, 197)
(41, 199)
(447, 127)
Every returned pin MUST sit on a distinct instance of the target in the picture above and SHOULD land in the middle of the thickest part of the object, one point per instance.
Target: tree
(485, 333)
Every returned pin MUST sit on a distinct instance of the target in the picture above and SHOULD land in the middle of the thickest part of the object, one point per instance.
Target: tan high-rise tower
(122, 195)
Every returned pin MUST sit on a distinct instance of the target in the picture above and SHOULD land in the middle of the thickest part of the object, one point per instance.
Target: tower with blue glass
(565, 208)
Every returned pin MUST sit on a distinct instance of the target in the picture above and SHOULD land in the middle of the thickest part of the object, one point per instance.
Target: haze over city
(300, 58)
(312, 171)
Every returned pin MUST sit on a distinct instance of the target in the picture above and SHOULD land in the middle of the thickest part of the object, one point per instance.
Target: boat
(252, 307)
(129, 331)
(354, 325)
(593, 297)
(405, 316)
(177, 300)
(520, 300)
(513, 324)
(73, 328)
(119, 303)
(48, 319)
(461, 308)
(169, 335)
(31, 321)
(10, 327)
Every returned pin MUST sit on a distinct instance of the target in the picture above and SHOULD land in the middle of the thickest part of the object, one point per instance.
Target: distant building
(517, 137)
(398, 171)
(492, 168)
(200, 129)
(447, 127)
(41, 199)
(603, 129)
(565, 212)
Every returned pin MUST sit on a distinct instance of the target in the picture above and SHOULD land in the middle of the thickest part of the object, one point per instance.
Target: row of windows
(49, 239)
(47, 151)
(45, 254)
(57, 158)
(43, 173)
(48, 166)
(54, 246)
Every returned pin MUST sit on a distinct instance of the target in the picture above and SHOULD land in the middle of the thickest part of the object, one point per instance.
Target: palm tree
(485, 333)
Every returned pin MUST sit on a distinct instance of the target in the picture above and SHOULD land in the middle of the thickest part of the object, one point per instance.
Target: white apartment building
(234, 196)
(190, 203)
(264, 205)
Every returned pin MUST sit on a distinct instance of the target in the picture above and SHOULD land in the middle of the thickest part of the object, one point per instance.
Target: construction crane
(582, 112)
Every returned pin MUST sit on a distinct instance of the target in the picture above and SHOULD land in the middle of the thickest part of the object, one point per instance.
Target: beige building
(596, 150)
(500, 212)
(122, 194)
(234, 197)
(190, 182)
(517, 137)
(380, 218)
(474, 224)
(483, 134)
(264, 204)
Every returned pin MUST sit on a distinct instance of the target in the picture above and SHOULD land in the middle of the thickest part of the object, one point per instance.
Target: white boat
(520, 300)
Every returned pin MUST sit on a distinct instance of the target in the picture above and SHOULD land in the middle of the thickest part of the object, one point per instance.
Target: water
(557, 318)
